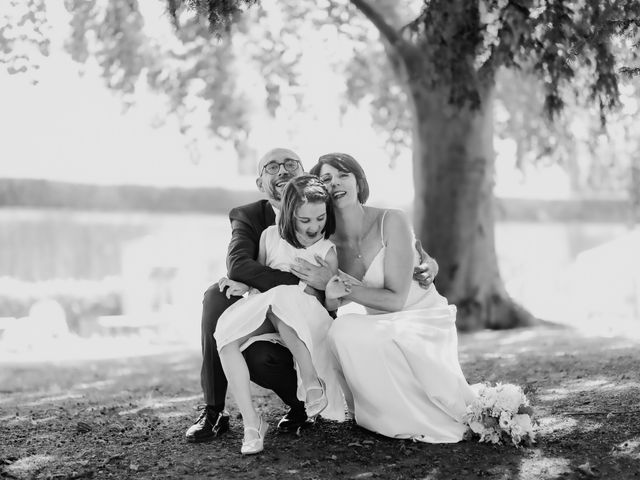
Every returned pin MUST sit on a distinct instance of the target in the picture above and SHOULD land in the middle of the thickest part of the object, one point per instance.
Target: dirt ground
(126, 418)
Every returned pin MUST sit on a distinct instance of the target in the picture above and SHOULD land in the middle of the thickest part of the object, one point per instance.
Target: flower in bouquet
(500, 414)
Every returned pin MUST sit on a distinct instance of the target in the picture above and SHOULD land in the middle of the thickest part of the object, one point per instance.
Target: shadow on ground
(126, 418)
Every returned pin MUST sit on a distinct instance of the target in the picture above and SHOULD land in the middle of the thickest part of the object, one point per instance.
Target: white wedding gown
(401, 369)
(299, 310)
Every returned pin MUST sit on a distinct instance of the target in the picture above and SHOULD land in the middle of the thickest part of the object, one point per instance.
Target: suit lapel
(269, 214)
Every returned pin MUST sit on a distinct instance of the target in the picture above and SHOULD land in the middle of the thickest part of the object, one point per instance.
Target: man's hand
(426, 272)
(233, 288)
(317, 276)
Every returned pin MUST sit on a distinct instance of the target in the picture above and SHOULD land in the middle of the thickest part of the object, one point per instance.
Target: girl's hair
(345, 163)
(299, 190)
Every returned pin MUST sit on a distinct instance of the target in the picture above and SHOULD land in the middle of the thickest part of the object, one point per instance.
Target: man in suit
(270, 365)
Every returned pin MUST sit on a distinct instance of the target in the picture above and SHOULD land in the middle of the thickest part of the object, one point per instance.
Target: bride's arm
(331, 260)
(398, 267)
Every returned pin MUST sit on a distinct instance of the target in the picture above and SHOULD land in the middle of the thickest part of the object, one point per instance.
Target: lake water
(158, 260)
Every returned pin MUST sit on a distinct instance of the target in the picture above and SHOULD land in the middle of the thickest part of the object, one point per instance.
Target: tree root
(495, 311)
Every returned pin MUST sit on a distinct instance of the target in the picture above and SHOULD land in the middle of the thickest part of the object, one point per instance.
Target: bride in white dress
(399, 361)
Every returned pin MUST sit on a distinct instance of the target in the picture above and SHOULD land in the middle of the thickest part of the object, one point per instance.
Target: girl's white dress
(301, 311)
(401, 368)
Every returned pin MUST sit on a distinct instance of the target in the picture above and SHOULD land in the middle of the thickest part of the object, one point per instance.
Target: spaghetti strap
(384, 214)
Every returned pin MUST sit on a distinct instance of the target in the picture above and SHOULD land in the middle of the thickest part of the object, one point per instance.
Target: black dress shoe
(210, 424)
(293, 420)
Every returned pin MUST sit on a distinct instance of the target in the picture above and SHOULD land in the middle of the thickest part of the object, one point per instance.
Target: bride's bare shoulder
(394, 216)
(391, 219)
(386, 213)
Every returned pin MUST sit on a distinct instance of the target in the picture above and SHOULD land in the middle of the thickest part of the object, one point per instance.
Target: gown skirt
(400, 370)
(300, 311)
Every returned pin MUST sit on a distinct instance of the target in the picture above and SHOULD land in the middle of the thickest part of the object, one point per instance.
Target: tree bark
(453, 162)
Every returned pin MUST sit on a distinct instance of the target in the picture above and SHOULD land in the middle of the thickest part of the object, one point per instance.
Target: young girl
(286, 313)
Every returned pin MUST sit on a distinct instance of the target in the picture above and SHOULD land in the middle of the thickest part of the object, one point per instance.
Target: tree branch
(624, 412)
(391, 34)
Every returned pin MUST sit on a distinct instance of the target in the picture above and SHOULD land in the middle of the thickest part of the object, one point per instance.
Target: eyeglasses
(273, 167)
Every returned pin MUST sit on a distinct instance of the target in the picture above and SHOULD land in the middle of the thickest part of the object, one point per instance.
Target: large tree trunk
(453, 208)
(453, 177)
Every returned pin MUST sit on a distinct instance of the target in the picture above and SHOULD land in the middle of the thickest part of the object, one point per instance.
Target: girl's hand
(337, 287)
(234, 288)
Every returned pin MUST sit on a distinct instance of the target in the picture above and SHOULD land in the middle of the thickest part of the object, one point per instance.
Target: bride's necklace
(350, 255)
(354, 245)
(358, 249)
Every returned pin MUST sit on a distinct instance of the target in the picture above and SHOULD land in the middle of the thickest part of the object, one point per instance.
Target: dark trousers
(270, 365)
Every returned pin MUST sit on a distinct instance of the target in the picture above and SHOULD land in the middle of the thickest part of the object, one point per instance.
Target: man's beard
(276, 193)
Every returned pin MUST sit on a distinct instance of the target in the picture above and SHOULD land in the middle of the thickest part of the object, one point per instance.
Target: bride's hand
(337, 287)
(316, 276)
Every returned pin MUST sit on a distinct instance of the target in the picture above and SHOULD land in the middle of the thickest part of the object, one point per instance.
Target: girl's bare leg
(302, 356)
(237, 373)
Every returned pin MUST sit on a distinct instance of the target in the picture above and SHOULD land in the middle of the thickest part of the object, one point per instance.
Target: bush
(81, 300)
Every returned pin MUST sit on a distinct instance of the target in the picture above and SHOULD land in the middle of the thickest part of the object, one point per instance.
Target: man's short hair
(277, 154)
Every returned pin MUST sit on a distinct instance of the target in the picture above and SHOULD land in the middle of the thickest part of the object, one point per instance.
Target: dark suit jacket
(247, 224)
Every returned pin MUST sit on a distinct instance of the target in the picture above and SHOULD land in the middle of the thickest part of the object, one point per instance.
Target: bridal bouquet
(501, 414)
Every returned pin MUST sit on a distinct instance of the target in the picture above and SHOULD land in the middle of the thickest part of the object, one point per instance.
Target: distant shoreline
(49, 194)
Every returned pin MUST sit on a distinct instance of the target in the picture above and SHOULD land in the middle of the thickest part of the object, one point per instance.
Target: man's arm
(242, 255)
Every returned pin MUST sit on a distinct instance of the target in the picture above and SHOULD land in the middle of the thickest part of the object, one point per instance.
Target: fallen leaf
(585, 468)
(364, 475)
(116, 427)
(83, 427)
(112, 457)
